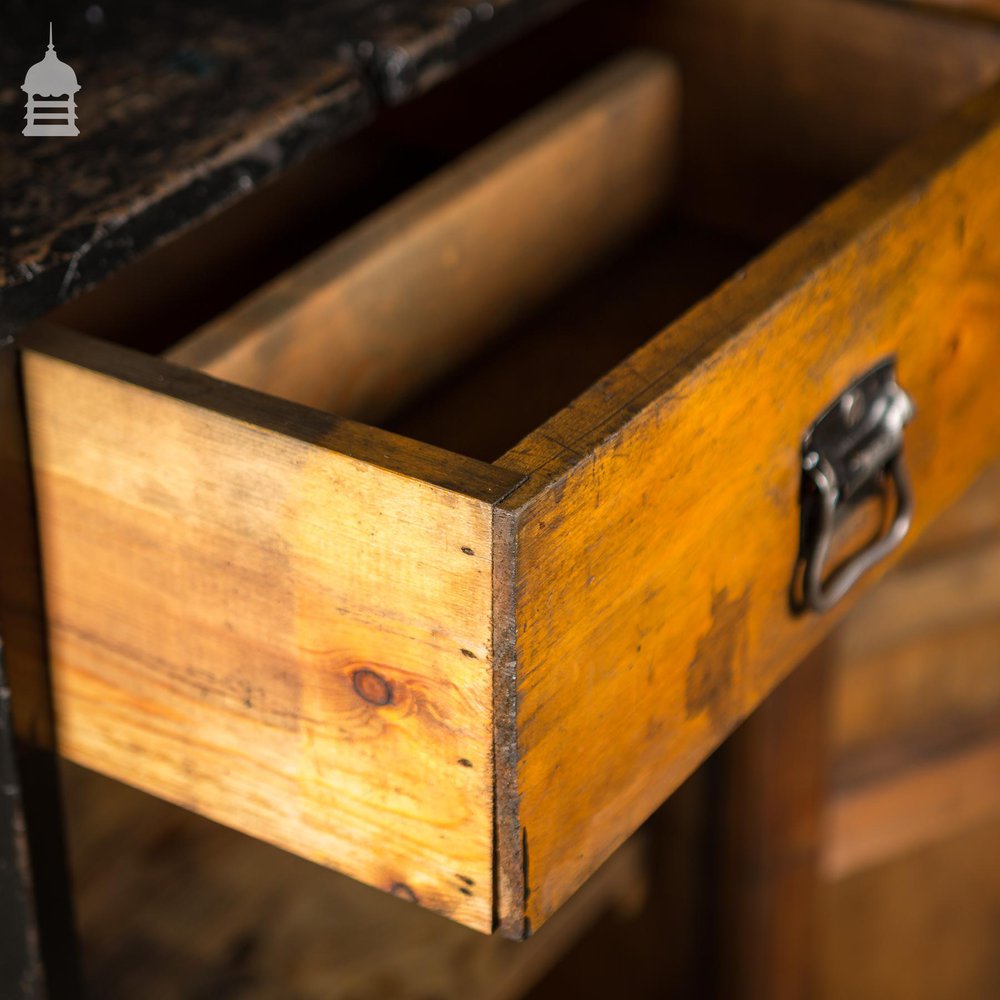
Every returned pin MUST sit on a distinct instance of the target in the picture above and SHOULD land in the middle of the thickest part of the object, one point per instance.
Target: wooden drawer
(467, 681)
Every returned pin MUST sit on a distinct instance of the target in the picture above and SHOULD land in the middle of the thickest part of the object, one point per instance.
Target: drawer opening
(521, 307)
(497, 355)
(714, 152)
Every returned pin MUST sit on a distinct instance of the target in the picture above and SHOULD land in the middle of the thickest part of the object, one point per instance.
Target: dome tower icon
(51, 87)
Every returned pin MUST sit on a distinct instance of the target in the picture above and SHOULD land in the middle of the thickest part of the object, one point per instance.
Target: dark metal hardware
(852, 452)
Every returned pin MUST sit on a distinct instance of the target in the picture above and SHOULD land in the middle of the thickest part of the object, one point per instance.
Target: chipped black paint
(186, 107)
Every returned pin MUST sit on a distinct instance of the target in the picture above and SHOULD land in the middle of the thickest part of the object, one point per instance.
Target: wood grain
(186, 111)
(921, 927)
(771, 828)
(893, 814)
(421, 284)
(932, 685)
(915, 698)
(264, 627)
(928, 598)
(652, 545)
(38, 951)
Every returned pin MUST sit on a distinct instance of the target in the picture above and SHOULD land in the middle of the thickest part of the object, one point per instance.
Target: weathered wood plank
(182, 111)
(420, 285)
(266, 615)
(185, 109)
(409, 46)
(655, 537)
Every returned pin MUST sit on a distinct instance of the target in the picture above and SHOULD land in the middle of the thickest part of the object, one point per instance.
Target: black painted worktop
(185, 106)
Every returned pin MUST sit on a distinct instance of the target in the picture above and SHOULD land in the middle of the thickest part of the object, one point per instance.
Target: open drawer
(467, 681)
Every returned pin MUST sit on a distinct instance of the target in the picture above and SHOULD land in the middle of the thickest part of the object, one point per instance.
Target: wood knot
(373, 688)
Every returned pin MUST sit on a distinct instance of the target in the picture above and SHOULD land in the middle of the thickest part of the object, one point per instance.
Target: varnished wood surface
(915, 707)
(925, 801)
(648, 618)
(423, 283)
(576, 689)
(921, 927)
(770, 820)
(266, 626)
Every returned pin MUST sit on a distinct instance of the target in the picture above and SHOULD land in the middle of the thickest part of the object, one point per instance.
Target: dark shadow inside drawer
(486, 406)
(465, 311)
(507, 340)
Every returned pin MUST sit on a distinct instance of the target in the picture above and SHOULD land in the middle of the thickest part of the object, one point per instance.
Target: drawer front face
(272, 633)
(651, 550)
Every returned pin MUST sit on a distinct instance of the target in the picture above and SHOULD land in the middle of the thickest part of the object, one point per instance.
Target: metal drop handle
(852, 452)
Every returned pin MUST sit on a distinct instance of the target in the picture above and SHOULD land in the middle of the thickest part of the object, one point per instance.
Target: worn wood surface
(226, 632)
(186, 107)
(422, 284)
(408, 46)
(183, 109)
(648, 619)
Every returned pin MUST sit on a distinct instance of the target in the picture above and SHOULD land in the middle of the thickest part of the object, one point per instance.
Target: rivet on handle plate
(852, 452)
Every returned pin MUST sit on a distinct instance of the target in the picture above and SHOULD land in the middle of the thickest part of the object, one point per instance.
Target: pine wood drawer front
(271, 618)
(467, 683)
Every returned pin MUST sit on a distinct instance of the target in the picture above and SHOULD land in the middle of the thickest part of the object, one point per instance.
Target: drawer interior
(480, 400)
(739, 177)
